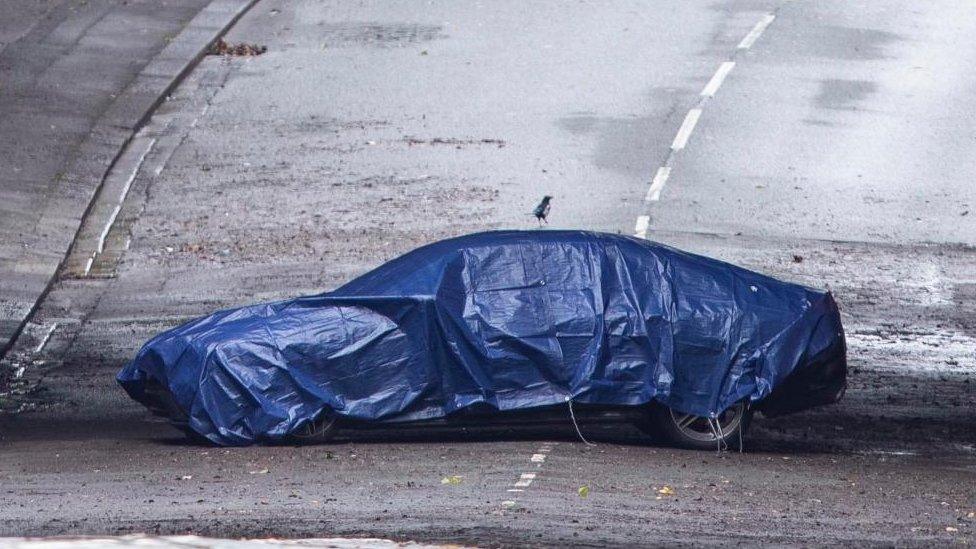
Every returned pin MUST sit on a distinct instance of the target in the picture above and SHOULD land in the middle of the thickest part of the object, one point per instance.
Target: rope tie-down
(569, 401)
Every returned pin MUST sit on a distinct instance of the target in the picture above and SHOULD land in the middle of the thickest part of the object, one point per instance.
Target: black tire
(694, 433)
(161, 403)
(321, 429)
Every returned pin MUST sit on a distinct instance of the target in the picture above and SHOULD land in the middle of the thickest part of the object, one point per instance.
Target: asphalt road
(835, 152)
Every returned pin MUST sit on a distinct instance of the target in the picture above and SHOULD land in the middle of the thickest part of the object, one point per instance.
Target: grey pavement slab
(76, 80)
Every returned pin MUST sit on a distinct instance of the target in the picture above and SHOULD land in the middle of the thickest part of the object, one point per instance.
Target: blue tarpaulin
(509, 319)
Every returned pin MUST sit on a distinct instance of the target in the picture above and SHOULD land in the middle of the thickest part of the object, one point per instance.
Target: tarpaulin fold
(507, 319)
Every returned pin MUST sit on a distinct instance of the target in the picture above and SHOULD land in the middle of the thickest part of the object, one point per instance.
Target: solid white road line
(47, 336)
(640, 230)
(756, 32)
(108, 227)
(135, 171)
(684, 132)
(122, 196)
(713, 85)
(660, 178)
(89, 263)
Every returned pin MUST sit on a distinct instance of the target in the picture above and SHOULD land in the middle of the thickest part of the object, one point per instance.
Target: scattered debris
(951, 529)
(965, 213)
(222, 47)
(666, 491)
(454, 141)
(260, 472)
(797, 258)
(186, 477)
(453, 480)
(583, 491)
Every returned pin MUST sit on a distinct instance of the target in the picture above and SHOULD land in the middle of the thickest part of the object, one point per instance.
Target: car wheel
(696, 432)
(160, 402)
(321, 429)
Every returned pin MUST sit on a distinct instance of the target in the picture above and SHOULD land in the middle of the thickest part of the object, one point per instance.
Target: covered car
(502, 321)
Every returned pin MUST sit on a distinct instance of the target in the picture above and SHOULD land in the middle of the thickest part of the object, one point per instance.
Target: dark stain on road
(377, 34)
(845, 95)
(836, 42)
(633, 144)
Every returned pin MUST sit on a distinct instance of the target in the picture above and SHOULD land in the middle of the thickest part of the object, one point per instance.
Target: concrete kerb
(62, 218)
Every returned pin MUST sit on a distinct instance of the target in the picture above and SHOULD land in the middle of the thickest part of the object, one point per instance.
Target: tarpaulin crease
(508, 319)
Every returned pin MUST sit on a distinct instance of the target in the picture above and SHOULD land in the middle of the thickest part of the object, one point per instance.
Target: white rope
(711, 427)
(569, 400)
(723, 445)
(716, 428)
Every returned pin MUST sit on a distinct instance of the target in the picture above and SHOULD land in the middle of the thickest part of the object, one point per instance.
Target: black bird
(542, 210)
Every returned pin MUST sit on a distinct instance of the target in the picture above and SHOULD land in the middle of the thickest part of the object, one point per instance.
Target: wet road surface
(834, 152)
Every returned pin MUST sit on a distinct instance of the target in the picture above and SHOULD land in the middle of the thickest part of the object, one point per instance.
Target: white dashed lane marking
(756, 32)
(716, 82)
(684, 132)
(640, 230)
(525, 479)
(691, 120)
(660, 178)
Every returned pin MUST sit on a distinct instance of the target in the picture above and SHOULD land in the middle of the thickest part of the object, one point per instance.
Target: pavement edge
(64, 214)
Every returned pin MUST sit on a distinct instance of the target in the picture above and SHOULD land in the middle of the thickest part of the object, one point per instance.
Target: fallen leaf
(666, 491)
(583, 491)
(453, 480)
(222, 47)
